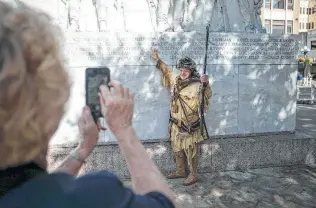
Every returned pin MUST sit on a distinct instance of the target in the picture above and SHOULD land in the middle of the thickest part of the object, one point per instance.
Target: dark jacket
(94, 190)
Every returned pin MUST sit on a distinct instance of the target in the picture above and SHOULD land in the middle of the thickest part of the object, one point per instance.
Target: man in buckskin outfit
(184, 123)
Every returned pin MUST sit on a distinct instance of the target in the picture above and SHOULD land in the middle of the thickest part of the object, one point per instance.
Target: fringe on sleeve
(166, 74)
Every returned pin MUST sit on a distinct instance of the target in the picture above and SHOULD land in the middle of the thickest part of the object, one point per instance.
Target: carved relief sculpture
(103, 10)
(178, 11)
(220, 18)
(251, 10)
(110, 15)
(172, 15)
(190, 14)
(258, 23)
(166, 15)
(72, 10)
(159, 11)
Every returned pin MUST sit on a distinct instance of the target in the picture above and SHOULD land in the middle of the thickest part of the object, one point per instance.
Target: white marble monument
(160, 15)
(253, 74)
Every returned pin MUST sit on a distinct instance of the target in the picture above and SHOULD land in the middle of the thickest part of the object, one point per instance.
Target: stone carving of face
(185, 73)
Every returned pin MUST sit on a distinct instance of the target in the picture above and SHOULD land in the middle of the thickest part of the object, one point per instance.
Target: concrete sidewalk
(269, 187)
(286, 187)
(306, 119)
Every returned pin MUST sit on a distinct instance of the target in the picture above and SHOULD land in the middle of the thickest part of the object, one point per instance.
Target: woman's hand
(117, 105)
(89, 133)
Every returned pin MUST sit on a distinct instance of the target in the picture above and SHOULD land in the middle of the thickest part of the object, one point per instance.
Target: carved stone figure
(258, 23)
(106, 15)
(160, 11)
(251, 10)
(110, 15)
(189, 15)
(173, 15)
(220, 19)
(166, 15)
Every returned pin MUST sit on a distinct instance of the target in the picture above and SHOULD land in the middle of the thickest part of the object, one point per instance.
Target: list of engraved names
(132, 49)
(253, 48)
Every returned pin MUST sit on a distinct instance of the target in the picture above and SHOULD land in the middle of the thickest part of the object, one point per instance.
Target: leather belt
(188, 128)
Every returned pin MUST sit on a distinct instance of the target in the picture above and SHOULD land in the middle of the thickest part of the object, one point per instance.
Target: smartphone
(94, 78)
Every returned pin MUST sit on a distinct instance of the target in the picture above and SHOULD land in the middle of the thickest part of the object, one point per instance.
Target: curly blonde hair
(34, 84)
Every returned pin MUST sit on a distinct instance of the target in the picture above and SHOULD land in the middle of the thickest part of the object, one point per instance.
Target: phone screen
(93, 87)
(94, 78)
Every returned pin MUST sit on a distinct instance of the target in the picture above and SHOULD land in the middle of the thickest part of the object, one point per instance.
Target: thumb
(81, 122)
(87, 114)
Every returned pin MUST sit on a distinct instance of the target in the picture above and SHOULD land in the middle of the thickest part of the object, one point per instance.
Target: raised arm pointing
(166, 72)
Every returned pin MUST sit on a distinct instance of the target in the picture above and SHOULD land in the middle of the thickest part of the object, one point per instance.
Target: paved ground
(306, 119)
(270, 187)
(288, 187)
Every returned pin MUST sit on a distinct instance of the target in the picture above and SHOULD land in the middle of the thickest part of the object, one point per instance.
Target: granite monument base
(217, 154)
(253, 78)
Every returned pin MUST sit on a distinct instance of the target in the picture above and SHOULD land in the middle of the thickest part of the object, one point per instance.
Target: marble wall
(253, 75)
(253, 78)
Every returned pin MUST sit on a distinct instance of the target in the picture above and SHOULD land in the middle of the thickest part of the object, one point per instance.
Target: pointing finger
(105, 92)
(101, 99)
(118, 87)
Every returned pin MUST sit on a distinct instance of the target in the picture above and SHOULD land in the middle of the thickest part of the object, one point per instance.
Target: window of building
(278, 4)
(301, 10)
(304, 10)
(307, 26)
(313, 10)
(313, 45)
(289, 27)
(312, 25)
(267, 25)
(290, 4)
(267, 4)
(309, 11)
(278, 27)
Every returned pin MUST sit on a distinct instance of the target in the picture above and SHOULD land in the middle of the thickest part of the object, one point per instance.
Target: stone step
(305, 94)
(305, 98)
(305, 91)
(235, 153)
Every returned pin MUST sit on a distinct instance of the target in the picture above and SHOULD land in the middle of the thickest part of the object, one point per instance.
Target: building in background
(305, 11)
(281, 16)
(308, 29)
(311, 25)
